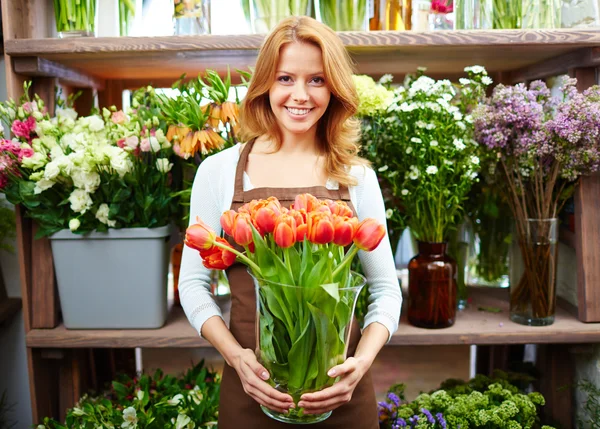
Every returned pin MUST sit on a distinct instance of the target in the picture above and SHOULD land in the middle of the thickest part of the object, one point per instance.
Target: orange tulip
(307, 202)
(301, 231)
(265, 215)
(320, 227)
(285, 231)
(339, 208)
(369, 234)
(227, 219)
(344, 229)
(199, 236)
(242, 231)
(248, 207)
(217, 258)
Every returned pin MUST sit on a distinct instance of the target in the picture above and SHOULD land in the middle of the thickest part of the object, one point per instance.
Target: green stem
(347, 259)
(240, 255)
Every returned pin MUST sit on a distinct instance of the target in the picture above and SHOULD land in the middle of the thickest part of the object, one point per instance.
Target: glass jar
(344, 15)
(541, 14)
(420, 15)
(533, 273)
(432, 287)
(472, 14)
(191, 17)
(75, 18)
(397, 15)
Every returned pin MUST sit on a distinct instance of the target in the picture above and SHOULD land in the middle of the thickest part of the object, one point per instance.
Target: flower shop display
(472, 14)
(157, 401)
(344, 15)
(441, 16)
(483, 402)
(264, 15)
(422, 146)
(542, 144)
(75, 18)
(305, 290)
(191, 17)
(88, 183)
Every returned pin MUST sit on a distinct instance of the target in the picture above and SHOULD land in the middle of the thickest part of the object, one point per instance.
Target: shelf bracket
(37, 66)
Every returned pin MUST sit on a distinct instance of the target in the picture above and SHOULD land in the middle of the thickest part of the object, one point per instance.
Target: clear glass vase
(472, 14)
(541, 14)
(75, 18)
(191, 17)
(489, 255)
(266, 14)
(533, 273)
(302, 332)
(344, 15)
(441, 21)
(580, 13)
(459, 246)
(432, 287)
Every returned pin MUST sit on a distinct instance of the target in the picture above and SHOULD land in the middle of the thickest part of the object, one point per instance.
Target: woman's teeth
(297, 111)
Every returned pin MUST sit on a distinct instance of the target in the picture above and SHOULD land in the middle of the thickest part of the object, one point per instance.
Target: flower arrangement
(75, 16)
(542, 145)
(423, 146)
(149, 401)
(85, 173)
(305, 289)
(483, 402)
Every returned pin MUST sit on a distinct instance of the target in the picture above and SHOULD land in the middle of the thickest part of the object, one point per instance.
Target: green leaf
(329, 348)
(298, 359)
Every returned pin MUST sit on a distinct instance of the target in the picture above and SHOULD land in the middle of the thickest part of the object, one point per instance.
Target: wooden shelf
(157, 59)
(472, 327)
(8, 308)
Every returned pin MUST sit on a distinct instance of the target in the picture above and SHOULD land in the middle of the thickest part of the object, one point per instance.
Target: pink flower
(23, 128)
(30, 107)
(118, 117)
(121, 143)
(132, 142)
(177, 150)
(442, 6)
(10, 146)
(26, 153)
(3, 181)
(145, 145)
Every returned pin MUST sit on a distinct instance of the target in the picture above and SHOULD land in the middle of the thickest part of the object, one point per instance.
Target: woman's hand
(253, 375)
(351, 372)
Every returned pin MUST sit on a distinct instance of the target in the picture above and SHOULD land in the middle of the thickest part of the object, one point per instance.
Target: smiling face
(299, 96)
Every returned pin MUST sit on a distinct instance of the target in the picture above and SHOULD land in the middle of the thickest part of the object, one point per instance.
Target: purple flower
(385, 406)
(430, 418)
(413, 421)
(394, 398)
(441, 420)
(400, 423)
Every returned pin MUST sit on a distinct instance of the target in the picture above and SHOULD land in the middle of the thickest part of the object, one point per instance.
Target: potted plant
(99, 187)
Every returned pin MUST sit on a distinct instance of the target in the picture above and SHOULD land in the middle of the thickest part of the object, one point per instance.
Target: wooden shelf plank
(37, 66)
(8, 308)
(472, 327)
(376, 53)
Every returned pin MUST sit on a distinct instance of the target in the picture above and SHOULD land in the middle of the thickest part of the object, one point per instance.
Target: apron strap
(238, 192)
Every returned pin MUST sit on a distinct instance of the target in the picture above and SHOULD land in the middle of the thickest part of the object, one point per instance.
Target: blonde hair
(338, 132)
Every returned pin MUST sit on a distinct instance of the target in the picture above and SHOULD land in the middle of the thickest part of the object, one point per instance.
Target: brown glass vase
(432, 287)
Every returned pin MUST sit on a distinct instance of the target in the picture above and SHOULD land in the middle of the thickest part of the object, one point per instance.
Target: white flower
(78, 411)
(163, 165)
(66, 113)
(473, 175)
(80, 201)
(154, 144)
(51, 171)
(196, 395)
(41, 185)
(433, 143)
(129, 418)
(34, 162)
(430, 126)
(175, 400)
(461, 125)
(87, 180)
(476, 70)
(468, 119)
(486, 80)
(102, 215)
(140, 395)
(421, 124)
(432, 169)
(182, 422)
(95, 123)
(389, 213)
(458, 144)
(464, 81)
(408, 149)
(414, 173)
(458, 116)
(382, 169)
(448, 162)
(386, 78)
(74, 224)
(474, 160)
(415, 140)
(404, 192)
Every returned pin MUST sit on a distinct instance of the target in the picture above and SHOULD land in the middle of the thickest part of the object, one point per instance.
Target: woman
(301, 137)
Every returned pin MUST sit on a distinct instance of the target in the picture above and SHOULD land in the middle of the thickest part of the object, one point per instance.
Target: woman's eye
(318, 80)
(284, 79)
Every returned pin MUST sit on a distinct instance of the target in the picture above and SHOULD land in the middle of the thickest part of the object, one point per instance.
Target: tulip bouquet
(306, 292)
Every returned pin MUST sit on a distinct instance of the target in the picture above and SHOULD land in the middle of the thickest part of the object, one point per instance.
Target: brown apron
(236, 408)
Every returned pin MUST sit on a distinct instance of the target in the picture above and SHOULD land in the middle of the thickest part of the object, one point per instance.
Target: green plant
(149, 402)
(126, 15)
(590, 418)
(344, 15)
(7, 227)
(75, 15)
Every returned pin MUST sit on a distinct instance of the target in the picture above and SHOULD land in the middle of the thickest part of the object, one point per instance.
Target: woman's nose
(299, 94)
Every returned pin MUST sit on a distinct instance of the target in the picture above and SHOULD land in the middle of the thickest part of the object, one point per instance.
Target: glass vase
(541, 14)
(75, 18)
(502, 14)
(580, 13)
(533, 275)
(344, 15)
(458, 249)
(472, 14)
(191, 17)
(127, 11)
(266, 14)
(432, 287)
(301, 333)
(441, 21)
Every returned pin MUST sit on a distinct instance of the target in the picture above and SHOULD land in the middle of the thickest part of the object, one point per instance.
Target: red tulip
(217, 258)
(344, 229)
(339, 208)
(227, 219)
(248, 207)
(320, 227)
(301, 231)
(199, 236)
(285, 231)
(265, 218)
(305, 201)
(242, 231)
(369, 234)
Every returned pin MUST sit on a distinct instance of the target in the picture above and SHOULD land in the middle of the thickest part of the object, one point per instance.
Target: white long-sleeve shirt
(212, 193)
